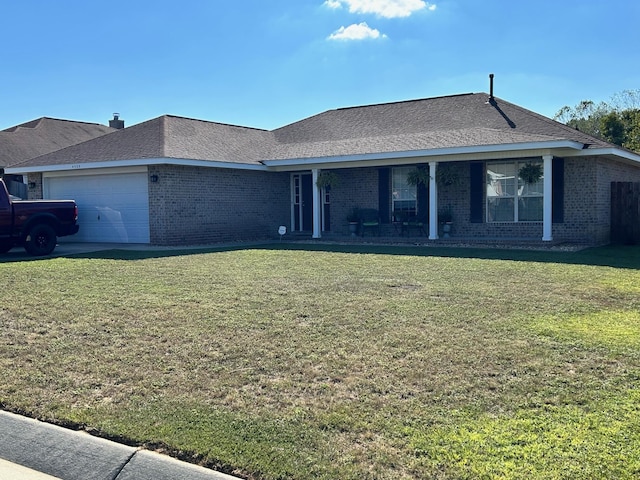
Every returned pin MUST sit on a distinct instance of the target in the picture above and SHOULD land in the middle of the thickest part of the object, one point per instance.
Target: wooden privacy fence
(625, 212)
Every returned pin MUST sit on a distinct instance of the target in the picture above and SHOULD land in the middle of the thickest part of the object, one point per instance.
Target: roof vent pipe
(116, 122)
(491, 86)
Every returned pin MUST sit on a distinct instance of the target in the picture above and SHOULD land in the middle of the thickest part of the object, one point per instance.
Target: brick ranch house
(175, 181)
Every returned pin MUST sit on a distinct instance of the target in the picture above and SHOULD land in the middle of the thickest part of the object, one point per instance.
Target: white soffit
(479, 152)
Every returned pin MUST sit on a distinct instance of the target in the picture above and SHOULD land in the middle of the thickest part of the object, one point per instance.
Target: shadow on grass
(610, 256)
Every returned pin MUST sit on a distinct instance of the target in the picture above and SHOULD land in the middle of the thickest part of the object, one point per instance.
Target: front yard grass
(351, 363)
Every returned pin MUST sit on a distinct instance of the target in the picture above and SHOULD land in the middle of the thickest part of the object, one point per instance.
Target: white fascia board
(95, 171)
(437, 152)
(612, 151)
(134, 163)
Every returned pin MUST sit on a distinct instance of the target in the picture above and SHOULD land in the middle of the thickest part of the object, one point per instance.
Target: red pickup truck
(35, 224)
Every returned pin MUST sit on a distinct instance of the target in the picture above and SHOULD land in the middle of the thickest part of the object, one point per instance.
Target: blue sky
(267, 63)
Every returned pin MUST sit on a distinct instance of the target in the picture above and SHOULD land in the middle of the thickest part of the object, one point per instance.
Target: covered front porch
(423, 212)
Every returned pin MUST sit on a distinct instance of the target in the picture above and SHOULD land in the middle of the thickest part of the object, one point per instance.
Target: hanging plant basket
(446, 175)
(418, 175)
(327, 179)
(530, 172)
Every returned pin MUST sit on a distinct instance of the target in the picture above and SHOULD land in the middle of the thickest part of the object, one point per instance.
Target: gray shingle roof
(408, 142)
(199, 140)
(166, 137)
(432, 116)
(44, 135)
(433, 123)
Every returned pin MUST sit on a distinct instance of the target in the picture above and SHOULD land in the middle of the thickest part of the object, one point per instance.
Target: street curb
(73, 455)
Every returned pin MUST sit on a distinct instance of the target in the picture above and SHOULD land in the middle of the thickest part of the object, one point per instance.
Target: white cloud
(360, 31)
(333, 4)
(382, 8)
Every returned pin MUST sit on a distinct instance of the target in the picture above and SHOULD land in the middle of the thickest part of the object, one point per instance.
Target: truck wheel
(41, 240)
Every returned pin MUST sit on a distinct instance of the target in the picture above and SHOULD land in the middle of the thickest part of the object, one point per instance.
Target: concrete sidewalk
(14, 471)
(34, 450)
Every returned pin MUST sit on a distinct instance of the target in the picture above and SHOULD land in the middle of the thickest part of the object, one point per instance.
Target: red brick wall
(35, 193)
(191, 205)
(357, 188)
(587, 204)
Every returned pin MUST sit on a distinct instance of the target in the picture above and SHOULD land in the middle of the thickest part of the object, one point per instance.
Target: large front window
(509, 197)
(404, 195)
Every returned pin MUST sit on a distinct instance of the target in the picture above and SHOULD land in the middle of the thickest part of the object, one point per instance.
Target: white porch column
(547, 222)
(433, 202)
(316, 204)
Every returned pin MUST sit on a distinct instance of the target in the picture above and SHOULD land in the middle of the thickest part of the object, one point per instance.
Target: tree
(585, 116)
(622, 128)
(633, 134)
(616, 122)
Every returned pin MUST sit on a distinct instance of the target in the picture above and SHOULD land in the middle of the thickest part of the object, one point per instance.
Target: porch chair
(369, 220)
(415, 222)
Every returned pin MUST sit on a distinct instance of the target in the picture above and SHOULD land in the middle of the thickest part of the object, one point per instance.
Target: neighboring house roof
(42, 136)
(472, 121)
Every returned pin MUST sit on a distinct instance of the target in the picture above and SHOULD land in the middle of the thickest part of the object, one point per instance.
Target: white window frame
(510, 186)
(402, 192)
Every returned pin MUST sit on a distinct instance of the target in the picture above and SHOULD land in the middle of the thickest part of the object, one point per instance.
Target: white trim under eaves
(94, 171)
(616, 152)
(436, 152)
(143, 162)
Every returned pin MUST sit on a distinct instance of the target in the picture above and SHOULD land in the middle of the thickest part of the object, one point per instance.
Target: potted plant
(445, 217)
(530, 172)
(353, 219)
(327, 179)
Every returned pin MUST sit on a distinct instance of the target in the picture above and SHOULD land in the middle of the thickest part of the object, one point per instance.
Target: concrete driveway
(72, 248)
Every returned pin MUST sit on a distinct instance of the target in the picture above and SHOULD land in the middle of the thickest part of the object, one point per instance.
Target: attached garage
(113, 206)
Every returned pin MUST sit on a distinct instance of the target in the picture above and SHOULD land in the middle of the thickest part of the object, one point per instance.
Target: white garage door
(112, 208)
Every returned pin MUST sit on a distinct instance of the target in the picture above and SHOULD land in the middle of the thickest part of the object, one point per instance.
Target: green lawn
(342, 362)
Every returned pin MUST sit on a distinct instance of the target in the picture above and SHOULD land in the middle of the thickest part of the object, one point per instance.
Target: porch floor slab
(457, 242)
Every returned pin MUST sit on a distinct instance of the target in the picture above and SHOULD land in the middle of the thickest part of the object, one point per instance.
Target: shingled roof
(432, 123)
(466, 120)
(167, 136)
(42, 136)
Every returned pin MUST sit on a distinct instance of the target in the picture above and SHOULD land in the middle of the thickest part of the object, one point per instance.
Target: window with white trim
(404, 195)
(509, 197)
